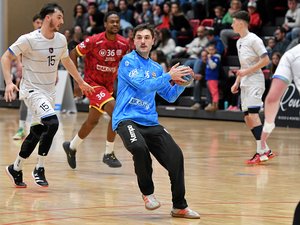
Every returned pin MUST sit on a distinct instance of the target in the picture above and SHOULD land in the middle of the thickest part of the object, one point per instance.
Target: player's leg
(109, 157)
(22, 122)
(253, 102)
(89, 124)
(133, 140)
(170, 156)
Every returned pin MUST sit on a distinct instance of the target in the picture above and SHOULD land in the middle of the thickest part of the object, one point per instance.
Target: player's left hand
(86, 88)
(10, 92)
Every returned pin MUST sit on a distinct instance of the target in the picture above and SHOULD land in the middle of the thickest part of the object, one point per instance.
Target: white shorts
(251, 97)
(39, 104)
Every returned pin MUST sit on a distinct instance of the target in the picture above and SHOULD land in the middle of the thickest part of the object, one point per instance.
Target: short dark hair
(109, 13)
(242, 15)
(36, 17)
(144, 26)
(49, 9)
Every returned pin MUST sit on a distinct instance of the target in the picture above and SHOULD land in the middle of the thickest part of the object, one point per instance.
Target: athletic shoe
(19, 135)
(196, 106)
(39, 177)
(270, 154)
(111, 160)
(185, 213)
(151, 202)
(71, 154)
(257, 158)
(16, 176)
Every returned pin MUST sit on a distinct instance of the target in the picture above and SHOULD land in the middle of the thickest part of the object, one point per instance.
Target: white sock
(266, 148)
(41, 160)
(18, 164)
(258, 147)
(22, 124)
(75, 142)
(109, 147)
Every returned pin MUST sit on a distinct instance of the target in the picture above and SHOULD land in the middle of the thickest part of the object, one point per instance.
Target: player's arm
(264, 60)
(235, 86)
(10, 88)
(70, 66)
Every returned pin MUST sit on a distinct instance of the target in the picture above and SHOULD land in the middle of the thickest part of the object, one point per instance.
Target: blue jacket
(139, 80)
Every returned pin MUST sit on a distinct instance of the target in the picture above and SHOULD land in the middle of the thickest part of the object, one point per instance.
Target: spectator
(212, 73)
(111, 6)
(199, 82)
(167, 44)
(95, 22)
(212, 38)
(129, 38)
(281, 41)
(270, 45)
(81, 16)
(165, 19)
(159, 57)
(255, 20)
(292, 20)
(146, 16)
(125, 13)
(180, 26)
(219, 13)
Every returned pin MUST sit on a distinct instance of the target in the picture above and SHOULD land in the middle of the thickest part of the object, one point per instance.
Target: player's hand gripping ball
(188, 78)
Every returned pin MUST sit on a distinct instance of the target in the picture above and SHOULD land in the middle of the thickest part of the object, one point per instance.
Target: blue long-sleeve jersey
(139, 79)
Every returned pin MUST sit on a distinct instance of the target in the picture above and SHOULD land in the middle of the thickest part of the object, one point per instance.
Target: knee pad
(51, 124)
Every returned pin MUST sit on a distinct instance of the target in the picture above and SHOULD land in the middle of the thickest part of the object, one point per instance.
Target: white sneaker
(185, 213)
(151, 202)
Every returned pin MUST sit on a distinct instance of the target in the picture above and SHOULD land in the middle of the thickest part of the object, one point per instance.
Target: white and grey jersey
(40, 59)
(288, 68)
(250, 49)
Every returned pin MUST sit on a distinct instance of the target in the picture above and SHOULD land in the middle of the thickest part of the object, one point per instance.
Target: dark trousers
(297, 215)
(140, 141)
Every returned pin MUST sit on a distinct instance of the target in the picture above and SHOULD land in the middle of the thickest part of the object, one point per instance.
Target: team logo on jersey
(102, 52)
(153, 74)
(133, 73)
(51, 50)
(82, 45)
(147, 75)
(87, 40)
(127, 63)
(119, 52)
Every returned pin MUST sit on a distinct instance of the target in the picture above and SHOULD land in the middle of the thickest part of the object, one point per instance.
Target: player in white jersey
(288, 70)
(41, 52)
(252, 56)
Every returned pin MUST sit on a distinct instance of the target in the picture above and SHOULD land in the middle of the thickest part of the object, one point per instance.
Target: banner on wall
(289, 109)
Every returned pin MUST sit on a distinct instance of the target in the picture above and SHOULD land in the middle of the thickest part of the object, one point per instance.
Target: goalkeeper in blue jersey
(136, 121)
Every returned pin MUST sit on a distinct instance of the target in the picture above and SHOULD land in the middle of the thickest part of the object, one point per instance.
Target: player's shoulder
(60, 37)
(122, 40)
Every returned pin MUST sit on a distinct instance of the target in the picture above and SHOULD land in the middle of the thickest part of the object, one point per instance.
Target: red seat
(194, 24)
(207, 22)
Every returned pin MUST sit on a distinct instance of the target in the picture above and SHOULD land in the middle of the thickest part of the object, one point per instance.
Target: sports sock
(75, 142)
(258, 147)
(41, 160)
(22, 124)
(109, 147)
(18, 164)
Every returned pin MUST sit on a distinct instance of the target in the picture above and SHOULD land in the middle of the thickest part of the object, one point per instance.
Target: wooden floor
(218, 184)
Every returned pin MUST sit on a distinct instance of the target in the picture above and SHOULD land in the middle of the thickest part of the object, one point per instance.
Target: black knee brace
(51, 125)
(31, 140)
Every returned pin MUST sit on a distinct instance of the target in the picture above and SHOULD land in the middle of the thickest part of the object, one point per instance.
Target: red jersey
(102, 57)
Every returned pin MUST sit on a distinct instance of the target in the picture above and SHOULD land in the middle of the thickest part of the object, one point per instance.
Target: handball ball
(188, 78)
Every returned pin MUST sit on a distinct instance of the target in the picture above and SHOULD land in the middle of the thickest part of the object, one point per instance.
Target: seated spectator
(292, 20)
(95, 22)
(125, 13)
(255, 20)
(165, 18)
(219, 13)
(281, 41)
(111, 6)
(270, 45)
(80, 16)
(129, 36)
(214, 39)
(193, 49)
(179, 24)
(199, 82)
(167, 44)
(159, 56)
(146, 16)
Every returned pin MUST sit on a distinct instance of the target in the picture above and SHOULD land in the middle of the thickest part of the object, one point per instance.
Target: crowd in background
(197, 33)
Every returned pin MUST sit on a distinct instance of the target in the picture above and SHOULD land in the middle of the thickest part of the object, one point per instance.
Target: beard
(52, 27)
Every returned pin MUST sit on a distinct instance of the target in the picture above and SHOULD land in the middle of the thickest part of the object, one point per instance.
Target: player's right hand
(10, 92)
(234, 88)
(86, 89)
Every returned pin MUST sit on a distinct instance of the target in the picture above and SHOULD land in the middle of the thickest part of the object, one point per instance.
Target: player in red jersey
(102, 52)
